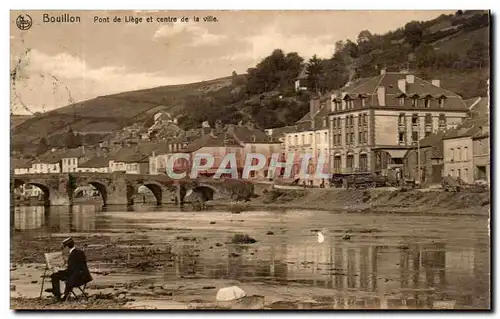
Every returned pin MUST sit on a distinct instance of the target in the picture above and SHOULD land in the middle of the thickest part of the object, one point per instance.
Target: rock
(230, 293)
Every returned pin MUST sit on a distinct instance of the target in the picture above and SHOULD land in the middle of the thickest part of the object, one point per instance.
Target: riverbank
(376, 200)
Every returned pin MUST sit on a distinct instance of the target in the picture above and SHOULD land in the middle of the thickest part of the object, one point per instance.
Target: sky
(56, 64)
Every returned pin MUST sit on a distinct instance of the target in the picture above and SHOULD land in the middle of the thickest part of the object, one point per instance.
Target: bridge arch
(46, 189)
(207, 192)
(101, 188)
(155, 187)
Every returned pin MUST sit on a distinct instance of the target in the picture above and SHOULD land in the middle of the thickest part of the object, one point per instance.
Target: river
(365, 261)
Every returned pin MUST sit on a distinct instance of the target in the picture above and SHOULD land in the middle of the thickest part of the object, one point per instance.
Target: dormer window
(401, 101)
(441, 101)
(414, 101)
(324, 122)
(363, 101)
(427, 102)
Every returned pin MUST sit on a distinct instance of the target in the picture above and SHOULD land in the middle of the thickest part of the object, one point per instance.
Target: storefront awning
(397, 153)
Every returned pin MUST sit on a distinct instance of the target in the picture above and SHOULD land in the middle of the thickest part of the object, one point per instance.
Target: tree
(413, 33)
(72, 140)
(478, 55)
(43, 146)
(364, 36)
(351, 49)
(314, 72)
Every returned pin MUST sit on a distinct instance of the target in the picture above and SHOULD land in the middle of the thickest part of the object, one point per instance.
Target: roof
(51, 157)
(468, 128)
(211, 140)
(76, 152)
(19, 163)
(478, 106)
(129, 155)
(435, 141)
(247, 134)
(278, 132)
(95, 162)
(389, 80)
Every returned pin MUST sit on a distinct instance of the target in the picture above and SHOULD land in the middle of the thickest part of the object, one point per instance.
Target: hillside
(452, 48)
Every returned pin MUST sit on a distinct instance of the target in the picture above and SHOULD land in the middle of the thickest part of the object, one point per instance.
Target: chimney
(382, 71)
(402, 85)
(410, 78)
(313, 107)
(381, 95)
(436, 83)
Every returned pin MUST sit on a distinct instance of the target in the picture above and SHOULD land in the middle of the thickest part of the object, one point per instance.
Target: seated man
(76, 274)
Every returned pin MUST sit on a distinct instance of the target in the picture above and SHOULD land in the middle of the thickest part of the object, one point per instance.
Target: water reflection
(392, 272)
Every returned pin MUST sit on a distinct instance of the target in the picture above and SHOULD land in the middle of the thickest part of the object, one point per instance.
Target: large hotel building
(373, 123)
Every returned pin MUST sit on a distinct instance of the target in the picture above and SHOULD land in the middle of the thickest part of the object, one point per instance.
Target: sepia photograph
(250, 160)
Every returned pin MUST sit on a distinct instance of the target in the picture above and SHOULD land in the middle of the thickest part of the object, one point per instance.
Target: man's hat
(68, 241)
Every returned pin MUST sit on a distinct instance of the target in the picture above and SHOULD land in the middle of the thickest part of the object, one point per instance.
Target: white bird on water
(321, 235)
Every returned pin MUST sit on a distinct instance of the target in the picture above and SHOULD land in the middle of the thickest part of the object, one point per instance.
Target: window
(310, 138)
(289, 140)
(452, 172)
(402, 101)
(363, 162)
(414, 136)
(458, 173)
(428, 119)
(303, 139)
(414, 102)
(441, 102)
(324, 122)
(325, 139)
(466, 156)
(401, 138)
(363, 101)
(401, 120)
(414, 120)
(442, 120)
(337, 161)
(427, 134)
(466, 174)
(365, 134)
(350, 161)
(351, 121)
(427, 102)
(360, 137)
(296, 140)
(452, 155)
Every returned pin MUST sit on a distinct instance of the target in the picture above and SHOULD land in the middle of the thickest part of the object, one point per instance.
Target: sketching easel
(52, 262)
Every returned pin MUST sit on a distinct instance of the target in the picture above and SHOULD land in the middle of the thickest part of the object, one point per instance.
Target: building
(375, 121)
(458, 149)
(71, 158)
(98, 164)
(428, 169)
(218, 145)
(255, 141)
(129, 160)
(301, 83)
(481, 154)
(49, 162)
(20, 166)
(311, 136)
(161, 154)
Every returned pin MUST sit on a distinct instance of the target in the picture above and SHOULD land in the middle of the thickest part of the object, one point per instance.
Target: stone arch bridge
(119, 188)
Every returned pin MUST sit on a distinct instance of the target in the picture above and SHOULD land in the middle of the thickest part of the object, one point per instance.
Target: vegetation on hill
(453, 48)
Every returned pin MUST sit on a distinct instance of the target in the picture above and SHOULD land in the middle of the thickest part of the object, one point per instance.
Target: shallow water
(366, 260)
